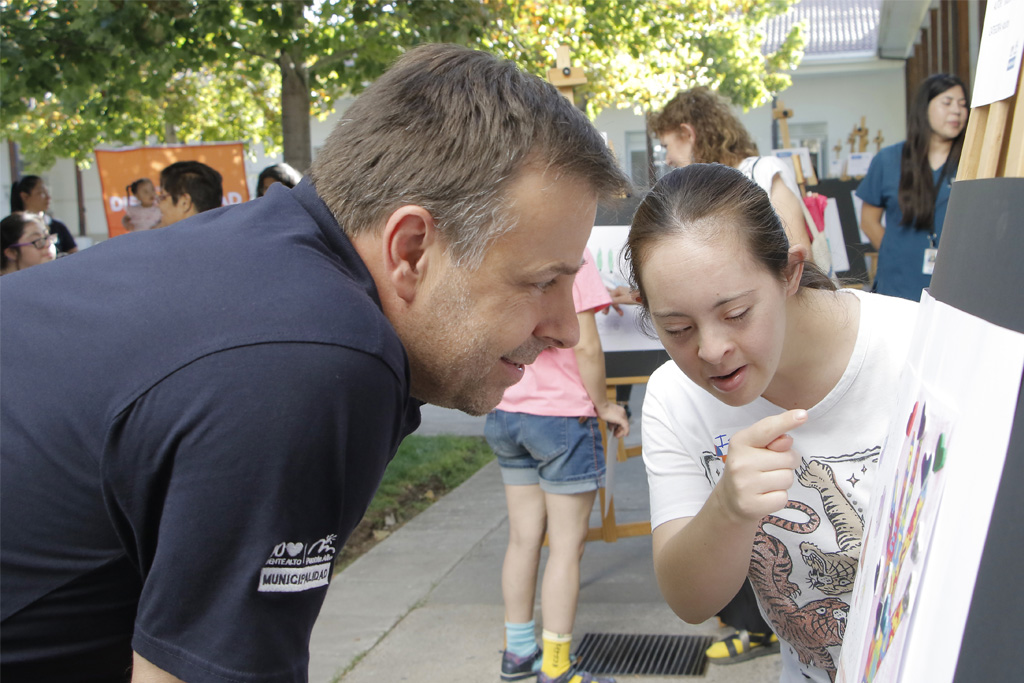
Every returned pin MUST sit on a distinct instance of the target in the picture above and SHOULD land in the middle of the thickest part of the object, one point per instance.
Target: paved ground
(425, 604)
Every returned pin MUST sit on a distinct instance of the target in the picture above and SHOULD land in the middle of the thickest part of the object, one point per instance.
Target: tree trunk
(295, 105)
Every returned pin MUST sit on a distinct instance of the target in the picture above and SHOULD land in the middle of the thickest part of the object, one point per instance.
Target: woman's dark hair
(282, 173)
(134, 187)
(702, 200)
(917, 190)
(11, 230)
(26, 185)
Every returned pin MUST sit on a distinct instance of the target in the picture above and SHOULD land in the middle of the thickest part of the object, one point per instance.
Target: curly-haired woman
(699, 126)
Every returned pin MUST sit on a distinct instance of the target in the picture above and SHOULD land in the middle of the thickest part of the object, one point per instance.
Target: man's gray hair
(449, 129)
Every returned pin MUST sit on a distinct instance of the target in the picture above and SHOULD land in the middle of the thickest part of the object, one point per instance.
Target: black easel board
(980, 270)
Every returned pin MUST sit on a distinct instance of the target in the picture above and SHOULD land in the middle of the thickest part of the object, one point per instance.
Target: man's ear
(408, 235)
(188, 207)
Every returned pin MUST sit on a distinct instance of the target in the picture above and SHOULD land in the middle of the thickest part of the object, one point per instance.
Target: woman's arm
(871, 223)
(144, 671)
(701, 561)
(787, 205)
(590, 359)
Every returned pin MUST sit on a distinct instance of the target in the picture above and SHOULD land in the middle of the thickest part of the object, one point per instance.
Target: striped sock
(520, 639)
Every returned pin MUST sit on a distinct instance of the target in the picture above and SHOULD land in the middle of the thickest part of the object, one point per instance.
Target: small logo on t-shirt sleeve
(294, 566)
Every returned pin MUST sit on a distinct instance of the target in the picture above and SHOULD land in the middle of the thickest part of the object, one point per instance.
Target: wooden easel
(858, 137)
(781, 114)
(838, 149)
(610, 531)
(566, 77)
(985, 155)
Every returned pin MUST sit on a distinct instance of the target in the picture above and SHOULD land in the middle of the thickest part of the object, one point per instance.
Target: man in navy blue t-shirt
(231, 388)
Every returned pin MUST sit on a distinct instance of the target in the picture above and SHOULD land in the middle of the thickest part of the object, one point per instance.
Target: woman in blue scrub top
(909, 183)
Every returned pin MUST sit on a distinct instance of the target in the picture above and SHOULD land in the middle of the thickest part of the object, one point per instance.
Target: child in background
(145, 215)
(546, 436)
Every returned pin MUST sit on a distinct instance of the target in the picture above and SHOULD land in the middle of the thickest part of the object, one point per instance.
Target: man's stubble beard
(449, 352)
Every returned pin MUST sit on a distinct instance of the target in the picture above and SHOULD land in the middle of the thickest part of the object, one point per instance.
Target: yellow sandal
(741, 646)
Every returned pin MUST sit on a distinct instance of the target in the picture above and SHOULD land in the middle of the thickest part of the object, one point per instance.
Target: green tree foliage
(75, 74)
(82, 73)
(642, 52)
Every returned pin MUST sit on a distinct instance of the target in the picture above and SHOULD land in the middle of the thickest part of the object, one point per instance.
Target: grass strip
(424, 469)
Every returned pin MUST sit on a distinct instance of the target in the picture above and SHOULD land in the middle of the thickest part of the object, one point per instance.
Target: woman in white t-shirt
(761, 345)
(698, 126)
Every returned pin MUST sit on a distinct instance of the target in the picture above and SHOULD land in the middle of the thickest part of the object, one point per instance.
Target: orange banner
(121, 167)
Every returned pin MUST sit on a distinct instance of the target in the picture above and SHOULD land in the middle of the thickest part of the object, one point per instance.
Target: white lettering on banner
(117, 203)
(293, 579)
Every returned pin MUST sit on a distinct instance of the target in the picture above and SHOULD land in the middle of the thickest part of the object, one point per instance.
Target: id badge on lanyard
(930, 254)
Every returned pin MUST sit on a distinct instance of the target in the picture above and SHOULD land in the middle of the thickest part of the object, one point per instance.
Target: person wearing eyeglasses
(26, 242)
(30, 194)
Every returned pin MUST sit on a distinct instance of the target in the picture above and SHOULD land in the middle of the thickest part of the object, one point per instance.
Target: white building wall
(838, 97)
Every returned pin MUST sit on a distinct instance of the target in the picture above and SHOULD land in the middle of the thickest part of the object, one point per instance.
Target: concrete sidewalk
(425, 604)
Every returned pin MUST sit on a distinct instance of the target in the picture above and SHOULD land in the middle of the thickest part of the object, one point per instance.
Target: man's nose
(559, 326)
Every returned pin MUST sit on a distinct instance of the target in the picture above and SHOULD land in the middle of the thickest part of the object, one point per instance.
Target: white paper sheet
(1002, 40)
(926, 530)
(836, 239)
(618, 333)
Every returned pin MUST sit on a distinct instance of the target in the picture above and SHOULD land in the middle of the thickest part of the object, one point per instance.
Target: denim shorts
(559, 453)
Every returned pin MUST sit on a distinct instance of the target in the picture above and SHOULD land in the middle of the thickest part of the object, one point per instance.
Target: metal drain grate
(619, 653)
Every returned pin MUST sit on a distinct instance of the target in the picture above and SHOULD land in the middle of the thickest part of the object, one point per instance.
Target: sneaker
(514, 668)
(741, 646)
(571, 673)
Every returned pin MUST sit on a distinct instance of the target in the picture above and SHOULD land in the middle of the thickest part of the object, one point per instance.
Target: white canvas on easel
(786, 155)
(909, 627)
(618, 333)
(858, 163)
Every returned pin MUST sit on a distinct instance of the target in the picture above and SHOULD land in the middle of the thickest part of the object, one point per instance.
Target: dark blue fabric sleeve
(232, 483)
(871, 187)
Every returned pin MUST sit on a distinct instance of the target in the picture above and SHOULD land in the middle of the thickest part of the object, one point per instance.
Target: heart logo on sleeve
(295, 566)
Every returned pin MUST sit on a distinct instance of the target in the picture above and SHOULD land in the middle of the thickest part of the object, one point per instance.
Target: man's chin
(476, 404)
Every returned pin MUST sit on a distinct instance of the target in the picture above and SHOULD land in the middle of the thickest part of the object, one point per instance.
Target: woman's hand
(759, 468)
